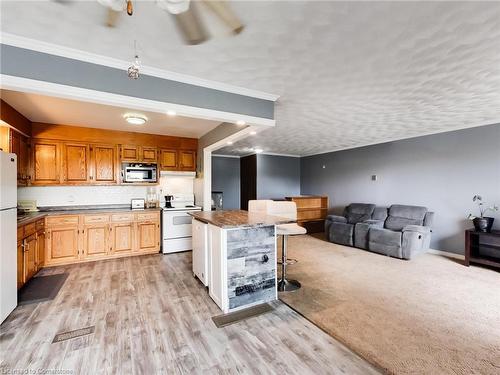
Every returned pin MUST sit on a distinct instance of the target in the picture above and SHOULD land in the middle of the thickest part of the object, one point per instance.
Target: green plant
(482, 208)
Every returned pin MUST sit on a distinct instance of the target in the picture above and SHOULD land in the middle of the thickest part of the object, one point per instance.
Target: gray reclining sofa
(400, 231)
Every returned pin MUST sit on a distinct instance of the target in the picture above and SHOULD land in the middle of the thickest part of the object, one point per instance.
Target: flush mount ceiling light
(240, 122)
(171, 113)
(253, 132)
(229, 143)
(135, 119)
(258, 150)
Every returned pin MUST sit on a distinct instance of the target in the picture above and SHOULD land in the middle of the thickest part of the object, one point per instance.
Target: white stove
(176, 228)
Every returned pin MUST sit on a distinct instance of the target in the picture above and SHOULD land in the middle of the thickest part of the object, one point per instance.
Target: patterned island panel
(251, 266)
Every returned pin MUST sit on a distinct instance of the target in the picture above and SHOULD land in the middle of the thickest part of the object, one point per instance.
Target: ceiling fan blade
(190, 26)
(223, 10)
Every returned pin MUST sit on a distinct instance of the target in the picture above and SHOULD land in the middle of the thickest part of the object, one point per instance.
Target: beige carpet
(430, 315)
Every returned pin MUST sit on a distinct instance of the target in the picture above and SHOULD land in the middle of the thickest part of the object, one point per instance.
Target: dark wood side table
(482, 248)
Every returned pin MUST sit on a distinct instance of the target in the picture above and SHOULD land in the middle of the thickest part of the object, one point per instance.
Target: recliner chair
(406, 232)
(340, 229)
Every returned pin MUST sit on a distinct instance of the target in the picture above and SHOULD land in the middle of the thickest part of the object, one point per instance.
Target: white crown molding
(277, 154)
(395, 139)
(71, 53)
(225, 156)
(77, 93)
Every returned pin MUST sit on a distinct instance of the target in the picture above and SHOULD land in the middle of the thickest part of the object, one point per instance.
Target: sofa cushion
(401, 216)
(358, 212)
(361, 232)
(341, 233)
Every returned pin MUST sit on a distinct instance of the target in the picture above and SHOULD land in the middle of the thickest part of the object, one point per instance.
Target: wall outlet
(374, 177)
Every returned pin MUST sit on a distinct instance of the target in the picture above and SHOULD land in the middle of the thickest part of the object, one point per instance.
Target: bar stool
(284, 209)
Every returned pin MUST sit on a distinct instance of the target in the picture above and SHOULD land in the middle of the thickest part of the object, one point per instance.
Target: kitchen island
(234, 255)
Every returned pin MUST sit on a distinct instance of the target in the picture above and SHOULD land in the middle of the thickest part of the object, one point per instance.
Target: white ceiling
(40, 108)
(349, 73)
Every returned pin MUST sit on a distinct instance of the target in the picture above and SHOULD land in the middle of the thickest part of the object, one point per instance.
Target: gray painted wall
(40, 66)
(441, 172)
(226, 178)
(277, 176)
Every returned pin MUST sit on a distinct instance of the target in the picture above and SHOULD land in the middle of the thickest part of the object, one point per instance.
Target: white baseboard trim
(447, 254)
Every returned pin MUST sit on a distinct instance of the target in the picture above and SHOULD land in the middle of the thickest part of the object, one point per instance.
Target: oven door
(176, 224)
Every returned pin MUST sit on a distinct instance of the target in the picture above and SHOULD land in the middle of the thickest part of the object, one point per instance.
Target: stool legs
(285, 285)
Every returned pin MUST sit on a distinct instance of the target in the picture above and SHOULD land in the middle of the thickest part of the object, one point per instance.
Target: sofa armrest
(417, 228)
(336, 218)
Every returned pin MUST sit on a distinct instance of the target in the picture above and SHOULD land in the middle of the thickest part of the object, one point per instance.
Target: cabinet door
(96, 241)
(129, 153)
(40, 249)
(104, 164)
(19, 146)
(76, 163)
(20, 264)
(29, 257)
(122, 238)
(62, 245)
(148, 233)
(187, 160)
(148, 154)
(168, 159)
(46, 162)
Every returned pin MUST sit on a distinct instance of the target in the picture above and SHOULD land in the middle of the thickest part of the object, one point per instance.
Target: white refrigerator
(8, 234)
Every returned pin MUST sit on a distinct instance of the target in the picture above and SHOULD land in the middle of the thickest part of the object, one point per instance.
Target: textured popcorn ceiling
(349, 73)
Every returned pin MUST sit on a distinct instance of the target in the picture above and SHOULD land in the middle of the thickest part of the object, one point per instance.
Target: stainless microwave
(135, 172)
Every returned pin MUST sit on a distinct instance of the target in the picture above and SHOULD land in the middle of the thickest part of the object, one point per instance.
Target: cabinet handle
(91, 177)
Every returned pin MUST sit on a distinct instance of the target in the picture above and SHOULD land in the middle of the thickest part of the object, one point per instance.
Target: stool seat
(290, 229)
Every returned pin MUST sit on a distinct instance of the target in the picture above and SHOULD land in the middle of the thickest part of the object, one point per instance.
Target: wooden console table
(311, 211)
(482, 247)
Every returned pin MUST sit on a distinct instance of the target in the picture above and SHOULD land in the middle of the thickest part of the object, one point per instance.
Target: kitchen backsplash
(91, 195)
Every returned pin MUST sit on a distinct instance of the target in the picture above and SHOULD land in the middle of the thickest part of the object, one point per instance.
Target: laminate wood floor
(151, 316)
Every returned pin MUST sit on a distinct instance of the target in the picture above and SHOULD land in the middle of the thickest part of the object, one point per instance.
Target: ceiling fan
(185, 13)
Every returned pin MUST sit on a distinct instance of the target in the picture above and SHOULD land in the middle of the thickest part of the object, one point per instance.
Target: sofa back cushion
(358, 212)
(380, 213)
(401, 216)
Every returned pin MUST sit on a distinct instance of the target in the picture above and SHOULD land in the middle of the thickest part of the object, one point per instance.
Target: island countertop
(238, 219)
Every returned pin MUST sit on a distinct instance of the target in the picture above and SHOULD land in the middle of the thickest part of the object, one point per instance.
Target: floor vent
(235, 317)
(73, 334)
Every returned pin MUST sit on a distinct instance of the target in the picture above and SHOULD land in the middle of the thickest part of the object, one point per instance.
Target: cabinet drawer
(29, 229)
(40, 224)
(99, 218)
(62, 220)
(148, 216)
(120, 218)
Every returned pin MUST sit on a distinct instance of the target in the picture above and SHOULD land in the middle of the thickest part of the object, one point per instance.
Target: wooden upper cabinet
(103, 164)
(168, 159)
(187, 160)
(149, 155)
(76, 158)
(19, 145)
(46, 162)
(130, 153)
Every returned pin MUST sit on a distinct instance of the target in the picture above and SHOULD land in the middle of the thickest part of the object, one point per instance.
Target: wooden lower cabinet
(148, 233)
(29, 257)
(62, 245)
(96, 241)
(20, 264)
(123, 238)
(40, 249)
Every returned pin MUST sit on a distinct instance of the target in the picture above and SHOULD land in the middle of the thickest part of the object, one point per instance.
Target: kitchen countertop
(238, 219)
(75, 210)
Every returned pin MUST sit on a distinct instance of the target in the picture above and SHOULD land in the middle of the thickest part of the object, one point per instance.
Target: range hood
(177, 174)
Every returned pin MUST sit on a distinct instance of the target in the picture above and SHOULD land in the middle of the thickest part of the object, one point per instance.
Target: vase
(483, 224)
